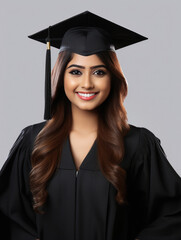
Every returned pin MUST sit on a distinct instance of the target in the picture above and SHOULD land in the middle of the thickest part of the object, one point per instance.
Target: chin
(86, 108)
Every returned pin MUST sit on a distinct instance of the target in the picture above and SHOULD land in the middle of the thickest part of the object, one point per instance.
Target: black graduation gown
(81, 205)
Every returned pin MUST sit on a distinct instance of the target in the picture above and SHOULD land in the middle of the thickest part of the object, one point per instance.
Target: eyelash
(72, 72)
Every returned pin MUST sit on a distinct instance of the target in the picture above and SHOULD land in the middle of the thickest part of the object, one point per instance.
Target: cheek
(106, 86)
(69, 84)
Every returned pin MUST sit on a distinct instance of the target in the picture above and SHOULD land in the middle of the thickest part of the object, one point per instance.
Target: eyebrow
(93, 67)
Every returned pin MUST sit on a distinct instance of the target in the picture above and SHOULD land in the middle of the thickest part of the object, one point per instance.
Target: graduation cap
(84, 34)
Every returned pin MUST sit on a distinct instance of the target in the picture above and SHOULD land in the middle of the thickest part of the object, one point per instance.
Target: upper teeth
(86, 94)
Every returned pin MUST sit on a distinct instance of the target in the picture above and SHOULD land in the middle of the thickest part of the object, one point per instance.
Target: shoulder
(139, 137)
(27, 137)
(139, 141)
(33, 129)
(22, 146)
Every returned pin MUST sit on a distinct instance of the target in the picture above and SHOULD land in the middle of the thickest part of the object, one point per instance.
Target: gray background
(152, 68)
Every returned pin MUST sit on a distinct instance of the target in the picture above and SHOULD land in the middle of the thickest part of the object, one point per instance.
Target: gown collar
(90, 161)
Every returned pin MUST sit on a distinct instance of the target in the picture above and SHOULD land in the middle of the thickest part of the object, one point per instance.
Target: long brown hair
(112, 127)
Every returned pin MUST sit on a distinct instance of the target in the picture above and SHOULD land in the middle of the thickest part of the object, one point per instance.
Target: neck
(84, 121)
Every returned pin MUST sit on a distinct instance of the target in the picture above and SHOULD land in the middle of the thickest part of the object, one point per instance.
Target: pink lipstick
(86, 96)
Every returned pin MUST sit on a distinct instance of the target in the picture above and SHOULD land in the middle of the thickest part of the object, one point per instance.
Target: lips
(86, 95)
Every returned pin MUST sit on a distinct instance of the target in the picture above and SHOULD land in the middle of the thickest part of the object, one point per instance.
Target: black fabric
(119, 36)
(86, 41)
(15, 196)
(82, 206)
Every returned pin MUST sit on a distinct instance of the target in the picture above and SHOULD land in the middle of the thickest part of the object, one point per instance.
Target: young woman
(86, 173)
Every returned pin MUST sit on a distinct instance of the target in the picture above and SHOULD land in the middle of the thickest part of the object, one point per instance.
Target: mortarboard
(84, 34)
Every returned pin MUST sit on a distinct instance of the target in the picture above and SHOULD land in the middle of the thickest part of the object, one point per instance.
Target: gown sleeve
(156, 191)
(17, 218)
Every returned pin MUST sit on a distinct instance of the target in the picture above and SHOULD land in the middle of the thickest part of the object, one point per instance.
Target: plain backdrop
(152, 67)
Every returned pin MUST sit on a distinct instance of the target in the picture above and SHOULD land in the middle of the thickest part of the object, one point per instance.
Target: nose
(87, 82)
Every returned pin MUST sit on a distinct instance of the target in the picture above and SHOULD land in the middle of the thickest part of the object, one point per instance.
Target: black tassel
(47, 112)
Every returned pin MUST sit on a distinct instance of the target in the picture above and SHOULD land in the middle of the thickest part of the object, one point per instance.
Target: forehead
(85, 60)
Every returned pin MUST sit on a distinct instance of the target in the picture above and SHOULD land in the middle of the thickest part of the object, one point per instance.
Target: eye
(75, 72)
(100, 72)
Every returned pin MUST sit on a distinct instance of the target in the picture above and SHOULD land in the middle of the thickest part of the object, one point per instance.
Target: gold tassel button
(48, 45)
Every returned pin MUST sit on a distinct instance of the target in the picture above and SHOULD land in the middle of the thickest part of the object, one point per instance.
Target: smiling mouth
(87, 96)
